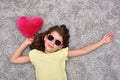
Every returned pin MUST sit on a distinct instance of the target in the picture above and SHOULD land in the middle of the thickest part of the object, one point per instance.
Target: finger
(111, 36)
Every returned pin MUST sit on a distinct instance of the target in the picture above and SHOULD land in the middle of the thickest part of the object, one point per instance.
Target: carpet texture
(87, 21)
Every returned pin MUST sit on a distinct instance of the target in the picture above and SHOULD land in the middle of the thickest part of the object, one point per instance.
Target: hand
(28, 41)
(107, 38)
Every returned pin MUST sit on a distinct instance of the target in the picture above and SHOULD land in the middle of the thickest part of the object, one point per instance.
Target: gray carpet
(87, 20)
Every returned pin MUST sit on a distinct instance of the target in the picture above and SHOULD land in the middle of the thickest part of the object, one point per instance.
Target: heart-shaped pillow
(29, 26)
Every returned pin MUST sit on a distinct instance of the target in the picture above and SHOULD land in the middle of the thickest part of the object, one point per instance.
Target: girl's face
(53, 42)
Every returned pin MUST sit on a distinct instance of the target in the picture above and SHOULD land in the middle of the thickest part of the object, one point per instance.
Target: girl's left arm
(106, 39)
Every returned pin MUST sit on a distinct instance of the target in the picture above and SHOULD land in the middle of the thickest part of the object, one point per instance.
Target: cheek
(45, 40)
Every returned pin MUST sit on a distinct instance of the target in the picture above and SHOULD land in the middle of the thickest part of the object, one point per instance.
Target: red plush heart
(29, 26)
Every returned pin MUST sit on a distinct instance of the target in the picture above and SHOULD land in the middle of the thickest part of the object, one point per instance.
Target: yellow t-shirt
(49, 66)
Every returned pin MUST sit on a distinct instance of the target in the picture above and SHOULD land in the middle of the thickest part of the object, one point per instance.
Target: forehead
(56, 35)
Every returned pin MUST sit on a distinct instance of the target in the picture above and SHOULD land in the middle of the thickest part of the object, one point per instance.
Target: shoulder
(64, 50)
(34, 52)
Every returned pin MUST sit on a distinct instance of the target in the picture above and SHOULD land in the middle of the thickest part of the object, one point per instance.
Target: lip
(50, 46)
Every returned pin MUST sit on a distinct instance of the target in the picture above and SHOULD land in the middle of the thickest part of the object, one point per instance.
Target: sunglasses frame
(61, 43)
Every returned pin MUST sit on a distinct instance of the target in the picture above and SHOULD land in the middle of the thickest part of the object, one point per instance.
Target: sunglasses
(51, 38)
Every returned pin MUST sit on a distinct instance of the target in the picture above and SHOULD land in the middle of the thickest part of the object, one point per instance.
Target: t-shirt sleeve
(65, 52)
(32, 55)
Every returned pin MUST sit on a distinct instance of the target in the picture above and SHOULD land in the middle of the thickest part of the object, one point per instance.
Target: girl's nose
(53, 42)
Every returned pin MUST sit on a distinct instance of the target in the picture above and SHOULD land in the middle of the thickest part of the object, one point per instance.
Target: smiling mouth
(50, 46)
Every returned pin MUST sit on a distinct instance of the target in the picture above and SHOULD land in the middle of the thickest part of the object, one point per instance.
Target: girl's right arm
(17, 57)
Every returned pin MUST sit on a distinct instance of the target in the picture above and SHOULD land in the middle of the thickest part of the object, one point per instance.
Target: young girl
(49, 52)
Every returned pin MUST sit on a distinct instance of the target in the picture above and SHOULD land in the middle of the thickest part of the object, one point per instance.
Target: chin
(50, 50)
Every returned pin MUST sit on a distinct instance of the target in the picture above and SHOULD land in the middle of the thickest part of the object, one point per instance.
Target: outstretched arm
(17, 57)
(106, 39)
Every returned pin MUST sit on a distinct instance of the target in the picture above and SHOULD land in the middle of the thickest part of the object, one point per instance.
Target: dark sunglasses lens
(50, 37)
(57, 42)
